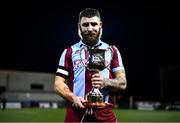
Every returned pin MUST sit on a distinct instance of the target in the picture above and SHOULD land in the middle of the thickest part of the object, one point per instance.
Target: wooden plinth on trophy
(94, 99)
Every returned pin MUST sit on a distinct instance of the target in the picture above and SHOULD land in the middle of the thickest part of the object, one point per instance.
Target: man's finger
(81, 105)
(95, 75)
(96, 79)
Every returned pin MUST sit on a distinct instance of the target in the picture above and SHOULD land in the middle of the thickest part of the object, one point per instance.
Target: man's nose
(90, 28)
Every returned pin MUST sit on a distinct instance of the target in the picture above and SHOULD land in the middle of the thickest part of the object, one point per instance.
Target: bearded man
(73, 80)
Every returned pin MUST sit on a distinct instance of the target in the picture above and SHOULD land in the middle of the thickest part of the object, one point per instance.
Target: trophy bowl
(96, 60)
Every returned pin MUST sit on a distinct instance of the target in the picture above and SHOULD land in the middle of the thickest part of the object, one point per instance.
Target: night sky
(34, 34)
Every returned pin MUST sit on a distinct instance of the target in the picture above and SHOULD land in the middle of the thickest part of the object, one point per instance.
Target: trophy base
(94, 104)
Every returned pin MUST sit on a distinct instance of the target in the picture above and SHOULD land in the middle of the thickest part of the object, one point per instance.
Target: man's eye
(85, 24)
(93, 24)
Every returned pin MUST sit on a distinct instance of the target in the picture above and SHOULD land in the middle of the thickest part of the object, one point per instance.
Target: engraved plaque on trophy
(95, 63)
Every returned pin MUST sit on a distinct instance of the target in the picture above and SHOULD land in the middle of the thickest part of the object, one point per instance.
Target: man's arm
(118, 83)
(63, 90)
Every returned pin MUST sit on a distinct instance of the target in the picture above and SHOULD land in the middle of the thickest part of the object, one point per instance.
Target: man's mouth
(91, 34)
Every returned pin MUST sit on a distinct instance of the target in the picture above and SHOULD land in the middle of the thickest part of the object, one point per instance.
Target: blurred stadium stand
(29, 89)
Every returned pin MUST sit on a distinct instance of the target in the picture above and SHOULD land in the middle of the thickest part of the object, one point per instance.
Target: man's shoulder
(76, 44)
(105, 44)
(108, 44)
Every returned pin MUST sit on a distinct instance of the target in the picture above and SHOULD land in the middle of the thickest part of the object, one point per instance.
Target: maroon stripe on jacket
(68, 64)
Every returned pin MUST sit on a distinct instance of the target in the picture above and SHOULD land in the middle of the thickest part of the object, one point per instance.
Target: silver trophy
(96, 62)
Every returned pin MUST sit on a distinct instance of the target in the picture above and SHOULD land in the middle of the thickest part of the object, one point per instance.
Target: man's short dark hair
(89, 12)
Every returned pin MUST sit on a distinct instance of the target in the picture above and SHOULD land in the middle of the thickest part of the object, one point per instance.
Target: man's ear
(101, 23)
(79, 25)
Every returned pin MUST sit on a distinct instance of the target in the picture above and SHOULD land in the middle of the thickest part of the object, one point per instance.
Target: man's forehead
(89, 20)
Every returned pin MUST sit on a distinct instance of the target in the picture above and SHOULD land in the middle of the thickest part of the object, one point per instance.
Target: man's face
(90, 30)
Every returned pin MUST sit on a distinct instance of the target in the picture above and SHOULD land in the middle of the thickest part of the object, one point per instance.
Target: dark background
(34, 34)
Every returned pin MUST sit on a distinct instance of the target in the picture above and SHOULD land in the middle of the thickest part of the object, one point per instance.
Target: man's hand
(78, 102)
(97, 80)
(63, 90)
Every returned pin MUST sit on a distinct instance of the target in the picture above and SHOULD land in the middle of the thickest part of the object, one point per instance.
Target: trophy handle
(112, 54)
(82, 58)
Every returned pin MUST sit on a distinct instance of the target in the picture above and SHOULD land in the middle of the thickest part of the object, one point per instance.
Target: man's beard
(90, 38)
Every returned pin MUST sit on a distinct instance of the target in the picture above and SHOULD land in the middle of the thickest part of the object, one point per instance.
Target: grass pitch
(57, 115)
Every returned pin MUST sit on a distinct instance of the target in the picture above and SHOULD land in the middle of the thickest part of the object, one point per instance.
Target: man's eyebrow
(85, 22)
(89, 23)
(94, 23)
